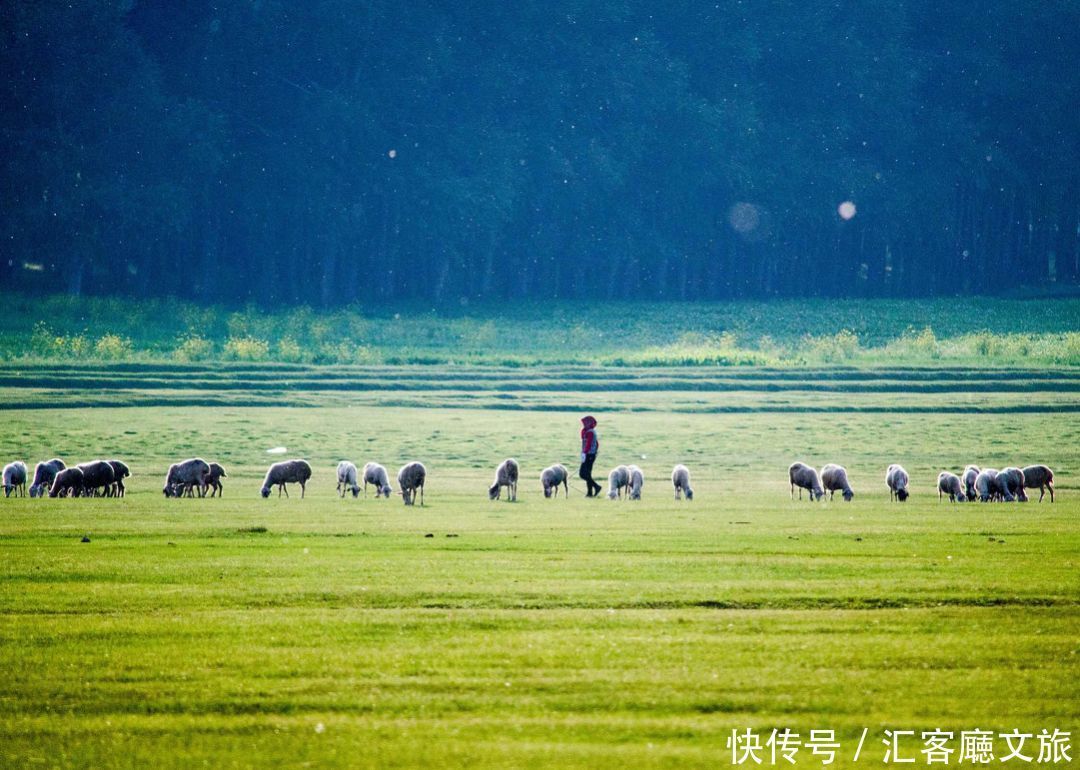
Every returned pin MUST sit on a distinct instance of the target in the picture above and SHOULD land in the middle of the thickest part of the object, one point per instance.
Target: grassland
(558, 633)
(968, 331)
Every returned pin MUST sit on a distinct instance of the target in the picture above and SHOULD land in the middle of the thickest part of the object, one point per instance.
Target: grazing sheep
(971, 473)
(506, 475)
(410, 478)
(833, 478)
(183, 477)
(1011, 484)
(98, 477)
(680, 479)
(213, 480)
(346, 478)
(985, 486)
(120, 472)
(67, 483)
(377, 475)
(286, 472)
(637, 481)
(15, 479)
(618, 479)
(1042, 477)
(949, 484)
(44, 473)
(551, 477)
(803, 476)
(897, 479)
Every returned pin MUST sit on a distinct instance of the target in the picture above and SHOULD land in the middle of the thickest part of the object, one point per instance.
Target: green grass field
(243, 632)
(954, 331)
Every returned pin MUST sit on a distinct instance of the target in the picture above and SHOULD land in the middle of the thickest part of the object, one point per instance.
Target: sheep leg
(421, 495)
(303, 488)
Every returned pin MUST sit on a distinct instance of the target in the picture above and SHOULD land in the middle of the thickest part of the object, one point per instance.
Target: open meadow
(242, 632)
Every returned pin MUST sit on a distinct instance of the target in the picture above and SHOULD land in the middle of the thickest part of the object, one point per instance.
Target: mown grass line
(440, 384)
(561, 406)
(479, 372)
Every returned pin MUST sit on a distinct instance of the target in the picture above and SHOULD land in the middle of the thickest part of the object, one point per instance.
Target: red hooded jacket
(590, 442)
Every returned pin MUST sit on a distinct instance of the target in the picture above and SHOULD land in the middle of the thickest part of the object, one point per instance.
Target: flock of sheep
(987, 485)
(105, 478)
(410, 479)
(97, 478)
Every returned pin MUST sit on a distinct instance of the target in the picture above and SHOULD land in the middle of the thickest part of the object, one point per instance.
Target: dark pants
(585, 472)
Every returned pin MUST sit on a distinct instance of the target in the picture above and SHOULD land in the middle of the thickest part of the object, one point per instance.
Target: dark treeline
(330, 151)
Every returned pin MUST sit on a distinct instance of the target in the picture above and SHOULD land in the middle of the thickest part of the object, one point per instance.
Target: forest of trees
(326, 152)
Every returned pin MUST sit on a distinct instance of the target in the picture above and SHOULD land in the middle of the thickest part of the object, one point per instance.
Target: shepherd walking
(590, 445)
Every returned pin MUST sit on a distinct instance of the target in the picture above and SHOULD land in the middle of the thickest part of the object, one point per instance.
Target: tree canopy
(332, 151)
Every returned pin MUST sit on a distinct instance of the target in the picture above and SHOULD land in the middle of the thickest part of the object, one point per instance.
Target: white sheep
(15, 479)
(949, 484)
(618, 479)
(120, 472)
(1042, 477)
(680, 479)
(411, 478)
(551, 477)
(183, 477)
(98, 477)
(637, 481)
(897, 480)
(213, 480)
(803, 476)
(286, 472)
(971, 473)
(833, 478)
(346, 478)
(506, 475)
(1011, 484)
(985, 485)
(377, 475)
(44, 473)
(67, 483)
